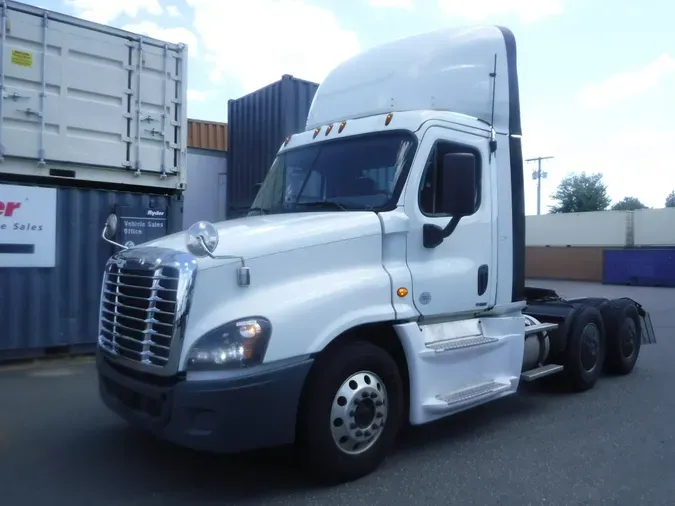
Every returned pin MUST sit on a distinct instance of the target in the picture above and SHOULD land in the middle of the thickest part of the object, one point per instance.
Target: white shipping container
(601, 228)
(654, 227)
(70, 101)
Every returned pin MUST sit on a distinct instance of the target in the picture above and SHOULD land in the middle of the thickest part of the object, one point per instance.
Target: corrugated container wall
(46, 307)
(207, 135)
(258, 123)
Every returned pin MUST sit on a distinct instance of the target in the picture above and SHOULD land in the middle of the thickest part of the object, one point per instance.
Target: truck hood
(257, 236)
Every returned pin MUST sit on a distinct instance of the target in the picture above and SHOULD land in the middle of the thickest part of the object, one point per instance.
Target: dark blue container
(56, 310)
(639, 267)
(257, 125)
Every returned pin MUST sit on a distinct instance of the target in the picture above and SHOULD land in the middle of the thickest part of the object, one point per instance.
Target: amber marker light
(342, 126)
(316, 131)
(402, 292)
(330, 127)
(288, 139)
(387, 120)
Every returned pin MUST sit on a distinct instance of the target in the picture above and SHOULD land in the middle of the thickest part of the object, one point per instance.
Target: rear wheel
(585, 353)
(351, 412)
(624, 335)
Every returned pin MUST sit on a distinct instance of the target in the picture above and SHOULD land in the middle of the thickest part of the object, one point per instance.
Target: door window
(431, 194)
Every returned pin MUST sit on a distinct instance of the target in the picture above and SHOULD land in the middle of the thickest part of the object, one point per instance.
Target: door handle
(483, 275)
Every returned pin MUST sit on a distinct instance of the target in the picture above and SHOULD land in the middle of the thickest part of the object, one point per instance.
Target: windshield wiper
(323, 203)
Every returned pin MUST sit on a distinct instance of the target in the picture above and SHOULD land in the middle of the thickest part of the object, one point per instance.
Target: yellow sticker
(23, 58)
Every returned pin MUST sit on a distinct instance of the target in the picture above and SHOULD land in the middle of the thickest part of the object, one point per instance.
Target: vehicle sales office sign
(27, 226)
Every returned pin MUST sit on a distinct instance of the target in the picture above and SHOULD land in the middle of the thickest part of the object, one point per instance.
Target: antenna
(493, 139)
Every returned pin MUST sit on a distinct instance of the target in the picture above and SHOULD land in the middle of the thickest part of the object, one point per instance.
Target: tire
(330, 396)
(624, 336)
(585, 353)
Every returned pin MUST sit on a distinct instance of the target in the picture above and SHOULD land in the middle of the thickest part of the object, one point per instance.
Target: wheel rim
(359, 412)
(590, 346)
(629, 331)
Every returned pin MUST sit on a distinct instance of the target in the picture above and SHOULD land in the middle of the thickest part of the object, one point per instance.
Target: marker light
(387, 120)
(316, 132)
(330, 127)
(402, 292)
(342, 126)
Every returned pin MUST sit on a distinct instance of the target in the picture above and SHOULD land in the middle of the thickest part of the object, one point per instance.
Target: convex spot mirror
(458, 181)
(110, 228)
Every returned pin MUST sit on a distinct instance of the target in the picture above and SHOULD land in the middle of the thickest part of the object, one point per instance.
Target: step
(459, 343)
(541, 372)
(477, 392)
(540, 327)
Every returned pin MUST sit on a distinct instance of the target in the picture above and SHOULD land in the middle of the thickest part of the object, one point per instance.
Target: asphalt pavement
(613, 445)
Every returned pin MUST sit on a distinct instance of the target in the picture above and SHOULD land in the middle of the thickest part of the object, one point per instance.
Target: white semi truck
(378, 279)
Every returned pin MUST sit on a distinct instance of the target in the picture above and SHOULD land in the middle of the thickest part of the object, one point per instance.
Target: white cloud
(172, 11)
(627, 84)
(201, 95)
(101, 11)
(173, 35)
(392, 4)
(264, 39)
(478, 10)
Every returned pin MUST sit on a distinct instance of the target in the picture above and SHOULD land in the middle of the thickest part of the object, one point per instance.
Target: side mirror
(110, 228)
(458, 183)
(458, 186)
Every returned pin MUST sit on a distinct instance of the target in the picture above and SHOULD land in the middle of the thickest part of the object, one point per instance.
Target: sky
(597, 77)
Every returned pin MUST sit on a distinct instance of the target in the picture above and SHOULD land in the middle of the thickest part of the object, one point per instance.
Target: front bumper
(230, 415)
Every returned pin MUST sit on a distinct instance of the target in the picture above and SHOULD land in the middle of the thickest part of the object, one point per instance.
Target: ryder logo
(7, 208)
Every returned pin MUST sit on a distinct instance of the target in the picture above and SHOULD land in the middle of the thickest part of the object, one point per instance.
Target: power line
(538, 175)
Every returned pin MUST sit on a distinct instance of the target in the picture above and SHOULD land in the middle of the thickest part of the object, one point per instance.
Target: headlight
(241, 343)
(202, 238)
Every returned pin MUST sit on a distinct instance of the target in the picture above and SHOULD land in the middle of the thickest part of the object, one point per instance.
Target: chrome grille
(138, 312)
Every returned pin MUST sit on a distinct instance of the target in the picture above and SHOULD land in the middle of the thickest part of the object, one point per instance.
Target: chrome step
(459, 343)
(540, 372)
(481, 391)
(540, 327)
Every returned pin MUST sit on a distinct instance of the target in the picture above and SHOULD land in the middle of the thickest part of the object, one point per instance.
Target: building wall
(205, 197)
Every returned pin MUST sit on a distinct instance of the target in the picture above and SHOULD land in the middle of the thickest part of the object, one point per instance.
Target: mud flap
(648, 335)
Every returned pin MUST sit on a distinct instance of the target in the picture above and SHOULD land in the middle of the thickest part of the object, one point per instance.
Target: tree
(579, 193)
(628, 204)
(670, 199)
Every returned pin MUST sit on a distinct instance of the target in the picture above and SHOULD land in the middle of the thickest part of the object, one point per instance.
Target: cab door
(458, 276)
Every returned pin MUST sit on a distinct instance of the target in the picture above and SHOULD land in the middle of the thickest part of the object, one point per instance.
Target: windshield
(354, 173)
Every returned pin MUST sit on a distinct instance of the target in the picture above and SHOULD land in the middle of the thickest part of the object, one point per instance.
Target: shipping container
(601, 228)
(84, 101)
(654, 227)
(639, 267)
(257, 125)
(52, 259)
(207, 135)
(206, 196)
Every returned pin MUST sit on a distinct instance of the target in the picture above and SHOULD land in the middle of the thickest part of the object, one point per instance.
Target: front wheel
(351, 412)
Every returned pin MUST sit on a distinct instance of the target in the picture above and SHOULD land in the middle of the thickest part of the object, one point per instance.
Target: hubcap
(590, 346)
(628, 334)
(359, 412)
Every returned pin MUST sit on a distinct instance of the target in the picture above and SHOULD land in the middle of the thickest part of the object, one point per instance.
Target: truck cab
(378, 279)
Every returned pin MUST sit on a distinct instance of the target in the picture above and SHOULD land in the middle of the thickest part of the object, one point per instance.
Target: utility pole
(538, 175)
